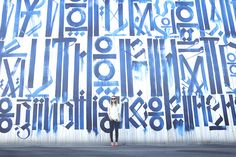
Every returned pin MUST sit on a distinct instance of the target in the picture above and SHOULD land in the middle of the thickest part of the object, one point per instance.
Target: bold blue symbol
(103, 114)
(82, 17)
(108, 42)
(101, 76)
(101, 10)
(23, 132)
(5, 116)
(181, 6)
(165, 21)
(156, 114)
(135, 107)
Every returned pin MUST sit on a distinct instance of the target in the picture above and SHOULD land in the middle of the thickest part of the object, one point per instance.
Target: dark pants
(114, 124)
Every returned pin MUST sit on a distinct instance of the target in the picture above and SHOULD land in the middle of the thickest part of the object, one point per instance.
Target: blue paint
(96, 18)
(224, 66)
(65, 73)
(174, 116)
(184, 6)
(17, 19)
(120, 29)
(55, 115)
(190, 112)
(89, 67)
(106, 83)
(47, 117)
(76, 117)
(104, 120)
(151, 68)
(120, 13)
(200, 18)
(214, 12)
(29, 13)
(95, 110)
(194, 50)
(157, 68)
(148, 9)
(139, 101)
(193, 73)
(218, 121)
(161, 65)
(103, 113)
(101, 76)
(4, 20)
(61, 19)
(230, 19)
(82, 110)
(224, 18)
(152, 123)
(186, 115)
(228, 105)
(157, 28)
(37, 114)
(22, 78)
(129, 68)
(131, 17)
(209, 65)
(209, 113)
(34, 29)
(165, 84)
(50, 19)
(165, 11)
(32, 63)
(9, 48)
(195, 111)
(77, 23)
(71, 115)
(41, 88)
(217, 128)
(107, 15)
(176, 69)
(76, 73)
(158, 101)
(205, 15)
(108, 42)
(104, 56)
(233, 3)
(215, 64)
(61, 113)
(59, 71)
(40, 113)
(18, 114)
(173, 21)
(5, 116)
(9, 76)
(46, 61)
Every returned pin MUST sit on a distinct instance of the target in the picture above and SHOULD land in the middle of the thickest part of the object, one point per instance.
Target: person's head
(113, 100)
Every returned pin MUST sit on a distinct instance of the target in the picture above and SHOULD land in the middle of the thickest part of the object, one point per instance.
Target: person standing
(114, 119)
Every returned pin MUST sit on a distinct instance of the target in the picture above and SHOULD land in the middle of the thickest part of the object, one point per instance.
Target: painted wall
(171, 63)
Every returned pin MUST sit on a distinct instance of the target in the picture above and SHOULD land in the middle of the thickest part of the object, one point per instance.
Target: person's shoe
(112, 144)
(116, 144)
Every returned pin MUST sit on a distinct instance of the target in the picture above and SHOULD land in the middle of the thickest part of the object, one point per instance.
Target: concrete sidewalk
(124, 150)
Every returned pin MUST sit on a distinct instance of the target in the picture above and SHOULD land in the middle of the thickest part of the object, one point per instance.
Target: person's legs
(111, 130)
(117, 131)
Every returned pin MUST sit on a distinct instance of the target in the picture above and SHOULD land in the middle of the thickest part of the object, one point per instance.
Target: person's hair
(113, 102)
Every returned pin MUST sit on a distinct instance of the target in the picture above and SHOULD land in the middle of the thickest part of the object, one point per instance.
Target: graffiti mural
(171, 63)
